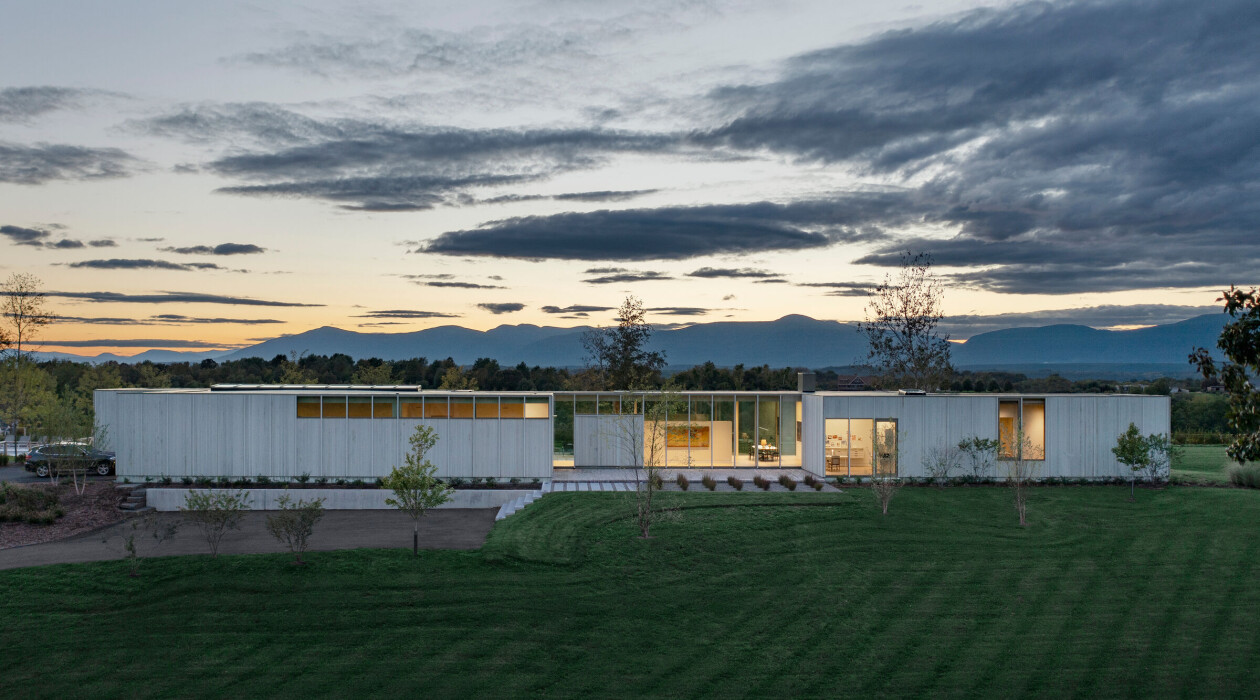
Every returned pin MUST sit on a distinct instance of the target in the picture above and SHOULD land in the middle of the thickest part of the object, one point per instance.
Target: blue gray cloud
(39, 163)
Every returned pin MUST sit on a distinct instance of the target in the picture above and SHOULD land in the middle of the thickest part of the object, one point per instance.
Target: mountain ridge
(792, 340)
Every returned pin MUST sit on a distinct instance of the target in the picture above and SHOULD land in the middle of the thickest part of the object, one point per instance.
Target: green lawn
(779, 595)
(1202, 464)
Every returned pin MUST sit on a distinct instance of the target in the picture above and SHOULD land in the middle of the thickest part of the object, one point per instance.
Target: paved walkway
(455, 528)
(667, 473)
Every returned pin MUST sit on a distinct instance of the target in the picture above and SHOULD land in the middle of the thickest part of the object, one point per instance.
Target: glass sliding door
(722, 432)
(768, 444)
(746, 430)
(790, 432)
(860, 442)
(885, 446)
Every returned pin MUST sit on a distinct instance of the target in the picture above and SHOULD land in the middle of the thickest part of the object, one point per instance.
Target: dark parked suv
(45, 458)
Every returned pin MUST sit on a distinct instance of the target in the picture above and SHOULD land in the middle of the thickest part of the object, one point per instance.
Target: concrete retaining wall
(168, 499)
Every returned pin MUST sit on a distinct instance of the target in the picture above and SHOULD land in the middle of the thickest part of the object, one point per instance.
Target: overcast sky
(190, 175)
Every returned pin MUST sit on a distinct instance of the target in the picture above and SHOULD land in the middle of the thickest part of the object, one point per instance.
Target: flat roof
(403, 389)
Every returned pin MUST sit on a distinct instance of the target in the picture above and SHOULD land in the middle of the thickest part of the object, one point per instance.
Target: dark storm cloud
(501, 308)
(142, 264)
(842, 289)
(574, 309)
(21, 235)
(617, 275)
(103, 243)
(461, 285)
(1056, 128)
(677, 233)
(602, 196)
(405, 313)
(680, 310)
(374, 167)
(36, 164)
(165, 320)
(221, 249)
(21, 104)
(964, 326)
(733, 273)
(173, 298)
(138, 343)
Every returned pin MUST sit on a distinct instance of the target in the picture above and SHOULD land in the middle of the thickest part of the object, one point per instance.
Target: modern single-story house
(361, 432)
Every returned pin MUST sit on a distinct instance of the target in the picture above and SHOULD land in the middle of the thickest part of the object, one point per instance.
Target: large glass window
(746, 429)
(767, 446)
(861, 442)
(722, 432)
(1022, 429)
(584, 405)
(790, 432)
(562, 453)
(609, 405)
(437, 407)
(1008, 428)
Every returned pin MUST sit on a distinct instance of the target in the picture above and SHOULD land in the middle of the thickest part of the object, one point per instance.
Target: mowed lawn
(1206, 464)
(761, 595)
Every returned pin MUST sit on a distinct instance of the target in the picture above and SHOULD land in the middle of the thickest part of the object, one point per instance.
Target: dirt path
(340, 529)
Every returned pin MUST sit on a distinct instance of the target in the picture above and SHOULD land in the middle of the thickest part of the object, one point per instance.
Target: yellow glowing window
(537, 407)
(488, 408)
(511, 407)
(308, 407)
(461, 407)
(410, 408)
(383, 407)
(359, 407)
(334, 407)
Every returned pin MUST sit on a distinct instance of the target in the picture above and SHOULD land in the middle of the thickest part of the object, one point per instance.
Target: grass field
(766, 595)
(1202, 464)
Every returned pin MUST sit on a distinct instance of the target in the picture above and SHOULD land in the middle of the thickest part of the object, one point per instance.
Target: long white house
(361, 432)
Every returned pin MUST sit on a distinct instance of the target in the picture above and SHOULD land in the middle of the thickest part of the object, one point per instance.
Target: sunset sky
(207, 175)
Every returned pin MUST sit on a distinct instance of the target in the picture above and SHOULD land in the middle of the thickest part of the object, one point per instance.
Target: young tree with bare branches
(25, 313)
(902, 316)
(618, 355)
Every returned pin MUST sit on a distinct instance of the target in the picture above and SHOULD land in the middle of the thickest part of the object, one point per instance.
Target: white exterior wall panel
(247, 434)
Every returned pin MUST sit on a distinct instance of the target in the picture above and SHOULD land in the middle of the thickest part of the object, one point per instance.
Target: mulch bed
(96, 508)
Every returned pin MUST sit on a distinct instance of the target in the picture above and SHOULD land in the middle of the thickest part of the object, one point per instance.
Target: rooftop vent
(806, 382)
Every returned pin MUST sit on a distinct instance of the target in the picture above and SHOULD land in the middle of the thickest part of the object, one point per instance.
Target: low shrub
(491, 482)
(321, 480)
(787, 482)
(380, 482)
(303, 477)
(682, 482)
(203, 480)
(735, 482)
(657, 482)
(166, 480)
(761, 482)
(458, 482)
(28, 504)
(1244, 475)
(536, 483)
(4, 460)
(514, 481)
(709, 482)
(341, 482)
(263, 480)
(186, 480)
(357, 483)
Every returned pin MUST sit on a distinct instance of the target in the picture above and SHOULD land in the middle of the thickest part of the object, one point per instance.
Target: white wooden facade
(251, 433)
(1080, 429)
(244, 433)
